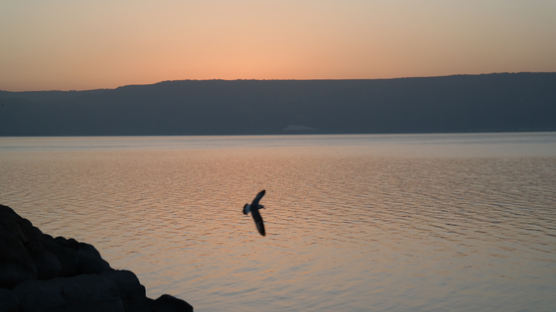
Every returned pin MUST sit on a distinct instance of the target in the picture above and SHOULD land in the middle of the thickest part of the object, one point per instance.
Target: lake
(423, 222)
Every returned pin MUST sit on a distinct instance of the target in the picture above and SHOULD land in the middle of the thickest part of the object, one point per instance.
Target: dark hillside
(494, 102)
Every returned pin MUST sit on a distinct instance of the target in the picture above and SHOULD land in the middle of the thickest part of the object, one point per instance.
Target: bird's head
(246, 209)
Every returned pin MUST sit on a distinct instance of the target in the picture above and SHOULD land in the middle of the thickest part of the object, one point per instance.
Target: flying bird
(254, 209)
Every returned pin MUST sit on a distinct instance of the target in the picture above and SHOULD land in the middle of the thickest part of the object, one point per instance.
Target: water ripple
(348, 229)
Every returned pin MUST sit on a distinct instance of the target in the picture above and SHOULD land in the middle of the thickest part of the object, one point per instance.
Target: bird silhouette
(254, 209)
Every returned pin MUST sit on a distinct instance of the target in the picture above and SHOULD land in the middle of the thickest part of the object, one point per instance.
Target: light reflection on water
(354, 223)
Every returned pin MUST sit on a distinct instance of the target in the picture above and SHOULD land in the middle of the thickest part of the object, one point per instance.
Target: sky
(90, 44)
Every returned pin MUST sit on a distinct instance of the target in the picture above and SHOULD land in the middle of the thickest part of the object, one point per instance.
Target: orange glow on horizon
(102, 44)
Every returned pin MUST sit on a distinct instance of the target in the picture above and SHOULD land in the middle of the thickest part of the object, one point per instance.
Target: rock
(16, 263)
(89, 260)
(8, 301)
(13, 273)
(131, 291)
(48, 265)
(35, 295)
(167, 303)
(42, 273)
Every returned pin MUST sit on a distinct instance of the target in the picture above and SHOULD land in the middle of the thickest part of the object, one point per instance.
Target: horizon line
(292, 79)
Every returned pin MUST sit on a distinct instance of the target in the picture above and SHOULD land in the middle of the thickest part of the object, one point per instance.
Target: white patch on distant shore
(298, 128)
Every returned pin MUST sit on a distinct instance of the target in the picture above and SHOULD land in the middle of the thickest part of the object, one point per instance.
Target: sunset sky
(104, 44)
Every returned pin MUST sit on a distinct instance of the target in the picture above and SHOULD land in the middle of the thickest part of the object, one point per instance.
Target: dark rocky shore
(42, 273)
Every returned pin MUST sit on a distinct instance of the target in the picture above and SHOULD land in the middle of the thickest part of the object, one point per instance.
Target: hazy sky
(85, 44)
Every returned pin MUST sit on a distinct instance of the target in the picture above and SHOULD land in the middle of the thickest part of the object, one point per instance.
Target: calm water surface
(453, 222)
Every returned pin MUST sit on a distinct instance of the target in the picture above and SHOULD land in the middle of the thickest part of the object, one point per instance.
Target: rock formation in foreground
(42, 273)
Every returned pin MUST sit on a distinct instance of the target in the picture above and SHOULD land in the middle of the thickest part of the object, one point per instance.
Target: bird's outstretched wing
(255, 202)
(258, 221)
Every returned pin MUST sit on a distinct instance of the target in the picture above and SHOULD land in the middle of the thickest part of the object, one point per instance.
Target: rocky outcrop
(42, 273)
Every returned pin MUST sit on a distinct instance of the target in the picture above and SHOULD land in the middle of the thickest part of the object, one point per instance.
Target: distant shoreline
(131, 85)
(278, 134)
(449, 104)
